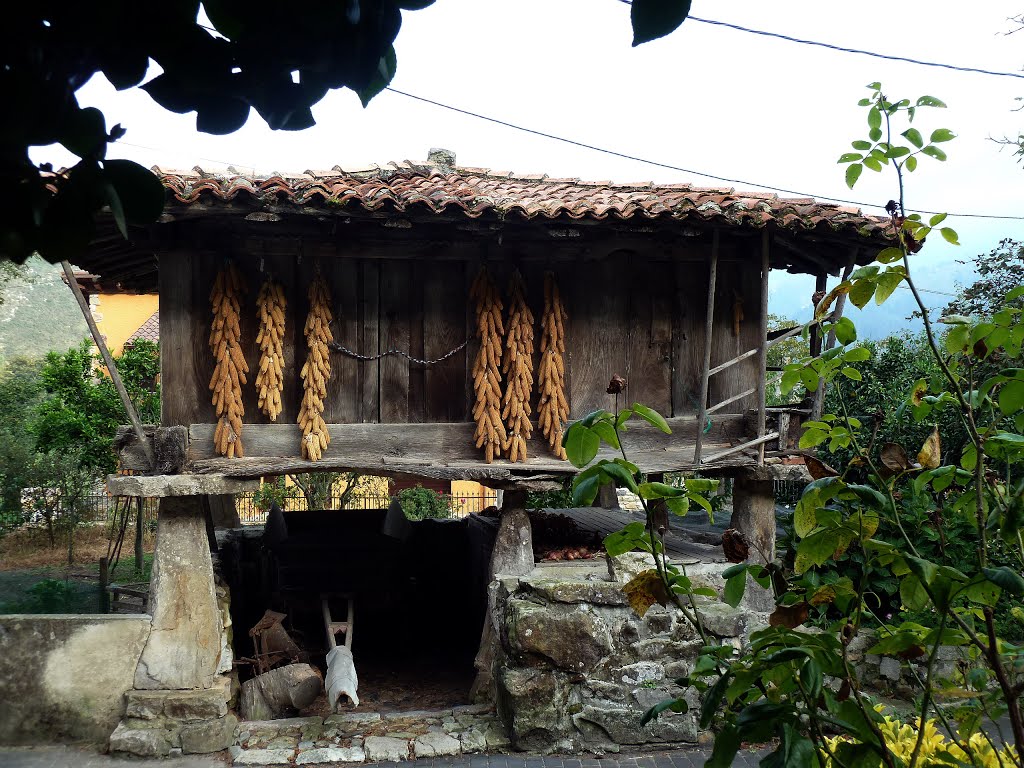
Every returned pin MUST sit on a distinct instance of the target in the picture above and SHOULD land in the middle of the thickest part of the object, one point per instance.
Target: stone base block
(192, 721)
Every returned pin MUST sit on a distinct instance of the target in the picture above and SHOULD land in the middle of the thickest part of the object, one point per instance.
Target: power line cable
(671, 167)
(840, 48)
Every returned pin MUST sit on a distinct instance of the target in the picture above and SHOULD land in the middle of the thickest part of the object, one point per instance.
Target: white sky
(711, 99)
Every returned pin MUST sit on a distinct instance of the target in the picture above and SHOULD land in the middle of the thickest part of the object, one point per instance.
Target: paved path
(73, 757)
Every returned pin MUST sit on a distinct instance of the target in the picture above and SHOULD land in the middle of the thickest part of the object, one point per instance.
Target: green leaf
(932, 151)
(727, 744)
(620, 475)
(711, 701)
(585, 491)
(861, 144)
(852, 373)
(629, 538)
(1011, 397)
(652, 417)
(674, 705)
(734, 589)
(873, 163)
(911, 164)
(84, 132)
(624, 415)
(861, 293)
(889, 255)
(114, 201)
(888, 282)
(874, 118)
(790, 378)
(845, 330)
(949, 235)
(914, 137)
(812, 438)
(937, 219)
(581, 445)
(606, 432)
(382, 77)
(940, 135)
(930, 101)
(680, 505)
(794, 751)
(850, 157)
(1006, 579)
(913, 594)
(857, 355)
(140, 192)
(853, 173)
(659, 491)
(652, 19)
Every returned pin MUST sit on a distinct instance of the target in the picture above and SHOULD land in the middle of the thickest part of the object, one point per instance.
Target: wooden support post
(140, 562)
(820, 284)
(830, 341)
(108, 361)
(762, 358)
(705, 375)
(753, 515)
(512, 555)
(104, 582)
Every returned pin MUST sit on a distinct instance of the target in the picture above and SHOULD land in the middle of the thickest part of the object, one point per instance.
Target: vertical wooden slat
(687, 335)
(394, 334)
(649, 336)
(417, 331)
(709, 323)
(596, 341)
(444, 328)
(762, 358)
(369, 341)
(343, 402)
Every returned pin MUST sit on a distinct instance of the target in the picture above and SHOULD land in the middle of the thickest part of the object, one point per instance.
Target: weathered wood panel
(343, 400)
(425, 448)
(648, 331)
(737, 281)
(596, 343)
(691, 280)
(394, 334)
(444, 328)
(178, 375)
(369, 341)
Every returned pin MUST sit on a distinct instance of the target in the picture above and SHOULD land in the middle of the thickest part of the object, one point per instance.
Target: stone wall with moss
(579, 667)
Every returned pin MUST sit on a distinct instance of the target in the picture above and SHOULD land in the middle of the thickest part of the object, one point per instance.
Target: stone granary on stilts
(362, 320)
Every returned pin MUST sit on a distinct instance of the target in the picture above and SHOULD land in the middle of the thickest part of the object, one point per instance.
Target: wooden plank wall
(628, 314)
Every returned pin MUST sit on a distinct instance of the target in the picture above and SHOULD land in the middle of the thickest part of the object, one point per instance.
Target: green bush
(421, 503)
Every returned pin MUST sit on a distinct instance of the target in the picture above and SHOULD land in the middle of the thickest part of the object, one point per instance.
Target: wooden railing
(761, 351)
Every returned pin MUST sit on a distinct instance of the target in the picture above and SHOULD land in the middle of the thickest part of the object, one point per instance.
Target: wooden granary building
(663, 285)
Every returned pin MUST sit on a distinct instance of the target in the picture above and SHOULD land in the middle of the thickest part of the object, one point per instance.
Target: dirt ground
(406, 685)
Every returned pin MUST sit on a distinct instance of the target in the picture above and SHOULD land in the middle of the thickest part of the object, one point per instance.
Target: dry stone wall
(580, 668)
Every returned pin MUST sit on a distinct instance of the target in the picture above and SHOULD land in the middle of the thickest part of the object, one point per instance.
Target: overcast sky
(709, 99)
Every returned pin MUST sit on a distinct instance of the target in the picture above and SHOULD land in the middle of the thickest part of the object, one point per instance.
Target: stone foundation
(580, 668)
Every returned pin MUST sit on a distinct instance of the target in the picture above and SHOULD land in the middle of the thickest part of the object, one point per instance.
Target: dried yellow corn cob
(230, 368)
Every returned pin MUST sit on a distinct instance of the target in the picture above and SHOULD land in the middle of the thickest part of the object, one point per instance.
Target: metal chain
(369, 358)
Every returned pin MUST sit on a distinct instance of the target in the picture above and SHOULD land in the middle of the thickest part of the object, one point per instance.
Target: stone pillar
(180, 699)
(753, 515)
(512, 555)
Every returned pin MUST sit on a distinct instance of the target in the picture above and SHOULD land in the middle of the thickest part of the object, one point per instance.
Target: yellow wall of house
(119, 315)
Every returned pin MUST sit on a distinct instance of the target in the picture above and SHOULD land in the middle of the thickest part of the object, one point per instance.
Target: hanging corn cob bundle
(490, 432)
(553, 407)
(518, 369)
(230, 369)
(316, 371)
(271, 305)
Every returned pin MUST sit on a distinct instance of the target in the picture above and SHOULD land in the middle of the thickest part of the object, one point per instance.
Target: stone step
(357, 737)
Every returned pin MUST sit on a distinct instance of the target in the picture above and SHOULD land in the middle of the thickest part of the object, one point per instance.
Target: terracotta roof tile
(407, 186)
(148, 331)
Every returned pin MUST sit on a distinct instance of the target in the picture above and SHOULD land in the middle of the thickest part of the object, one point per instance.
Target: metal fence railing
(89, 510)
(788, 491)
(252, 513)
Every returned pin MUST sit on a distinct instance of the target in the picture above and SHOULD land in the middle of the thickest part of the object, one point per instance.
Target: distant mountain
(39, 313)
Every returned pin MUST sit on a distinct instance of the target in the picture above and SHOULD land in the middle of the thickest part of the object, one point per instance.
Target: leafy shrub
(421, 503)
